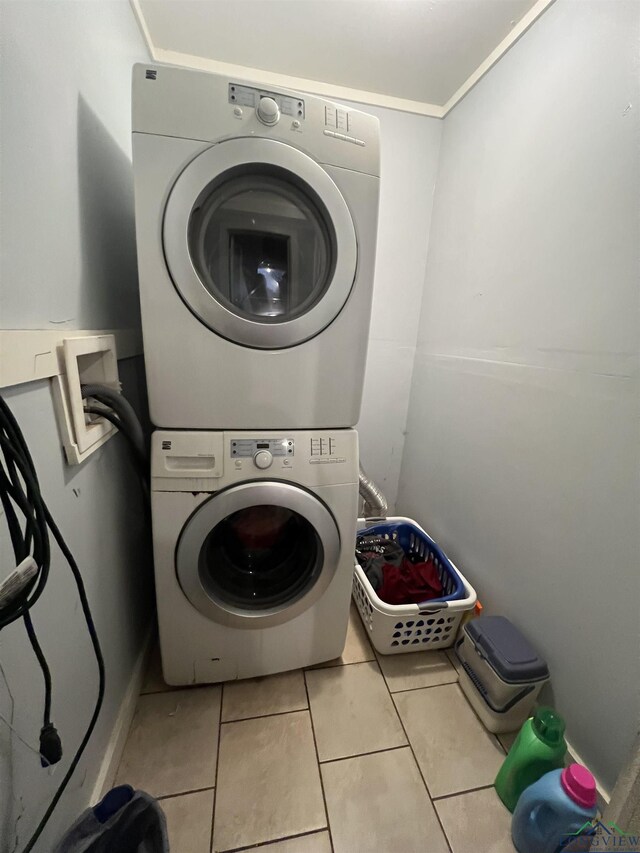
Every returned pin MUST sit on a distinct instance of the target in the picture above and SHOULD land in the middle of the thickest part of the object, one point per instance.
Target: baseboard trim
(120, 731)
(573, 757)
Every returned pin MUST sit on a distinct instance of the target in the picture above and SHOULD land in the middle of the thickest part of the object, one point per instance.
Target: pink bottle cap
(580, 785)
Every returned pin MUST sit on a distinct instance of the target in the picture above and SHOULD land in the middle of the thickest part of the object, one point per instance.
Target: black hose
(140, 460)
(123, 409)
(141, 464)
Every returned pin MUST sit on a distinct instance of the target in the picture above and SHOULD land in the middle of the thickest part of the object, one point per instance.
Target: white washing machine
(254, 536)
(256, 219)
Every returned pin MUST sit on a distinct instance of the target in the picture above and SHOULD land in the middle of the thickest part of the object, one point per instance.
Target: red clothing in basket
(410, 583)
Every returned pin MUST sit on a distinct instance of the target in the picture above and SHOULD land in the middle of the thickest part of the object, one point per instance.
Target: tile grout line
(321, 666)
(443, 796)
(215, 790)
(275, 841)
(185, 793)
(461, 793)
(362, 754)
(315, 746)
(435, 800)
(424, 781)
(262, 716)
(425, 687)
(410, 745)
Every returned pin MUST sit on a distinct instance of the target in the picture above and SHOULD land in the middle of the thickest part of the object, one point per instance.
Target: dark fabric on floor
(138, 826)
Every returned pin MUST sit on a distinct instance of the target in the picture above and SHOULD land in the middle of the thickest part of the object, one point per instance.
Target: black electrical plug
(50, 745)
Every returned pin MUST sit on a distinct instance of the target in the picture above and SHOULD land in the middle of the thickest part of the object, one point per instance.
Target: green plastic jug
(539, 748)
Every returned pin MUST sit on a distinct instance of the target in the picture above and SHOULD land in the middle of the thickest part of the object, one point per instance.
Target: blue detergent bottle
(558, 804)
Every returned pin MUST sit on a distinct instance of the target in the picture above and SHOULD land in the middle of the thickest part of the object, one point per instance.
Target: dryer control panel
(187, 104)
(249, 96)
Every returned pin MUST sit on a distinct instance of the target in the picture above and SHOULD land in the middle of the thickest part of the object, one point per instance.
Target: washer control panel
(250, 447)
(263, 459)
(323, 450)
(202, 461)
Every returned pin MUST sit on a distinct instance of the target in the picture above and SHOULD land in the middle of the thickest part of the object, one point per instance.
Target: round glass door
(259, 243)
(257, 554)
(261, 246)
(260, 557)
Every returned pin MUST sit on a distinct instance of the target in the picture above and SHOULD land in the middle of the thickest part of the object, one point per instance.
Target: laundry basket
(397, 628)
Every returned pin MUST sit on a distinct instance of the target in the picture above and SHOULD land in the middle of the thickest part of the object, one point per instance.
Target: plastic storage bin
(394, 629)
(502, 673)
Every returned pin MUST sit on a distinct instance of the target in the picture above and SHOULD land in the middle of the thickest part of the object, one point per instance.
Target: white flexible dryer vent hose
(375, 503)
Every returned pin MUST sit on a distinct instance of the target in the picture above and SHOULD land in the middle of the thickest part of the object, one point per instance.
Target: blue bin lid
(509, 653)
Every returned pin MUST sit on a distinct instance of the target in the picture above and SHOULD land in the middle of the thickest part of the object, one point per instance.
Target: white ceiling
(420, 51)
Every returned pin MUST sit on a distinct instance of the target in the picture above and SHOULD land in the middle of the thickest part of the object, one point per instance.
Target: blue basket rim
(391, 526)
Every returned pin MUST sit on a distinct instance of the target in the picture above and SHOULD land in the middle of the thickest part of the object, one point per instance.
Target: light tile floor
(364, 754)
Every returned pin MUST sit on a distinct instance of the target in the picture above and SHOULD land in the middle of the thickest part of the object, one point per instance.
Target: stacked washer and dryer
(256, 219)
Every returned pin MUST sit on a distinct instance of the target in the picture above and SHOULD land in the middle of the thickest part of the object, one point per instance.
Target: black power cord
(20, 495)
(19, 463)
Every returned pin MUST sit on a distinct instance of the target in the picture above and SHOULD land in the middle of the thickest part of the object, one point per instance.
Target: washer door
(258, 554)
(260, 243)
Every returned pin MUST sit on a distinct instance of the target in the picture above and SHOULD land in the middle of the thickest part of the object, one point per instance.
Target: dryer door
(257, 554)
(259, 243)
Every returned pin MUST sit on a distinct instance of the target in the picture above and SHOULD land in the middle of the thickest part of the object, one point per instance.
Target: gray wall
(406, 199)
(522, 447)
(68, 257)
(68, 261)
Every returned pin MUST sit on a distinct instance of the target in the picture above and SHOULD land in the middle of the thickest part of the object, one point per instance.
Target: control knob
(268, 111)
(263, 459)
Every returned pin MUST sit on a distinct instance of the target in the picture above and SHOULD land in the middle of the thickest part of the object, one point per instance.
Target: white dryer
(254, 537)
(256, 220)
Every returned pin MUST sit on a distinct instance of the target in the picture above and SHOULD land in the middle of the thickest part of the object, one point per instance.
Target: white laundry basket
(395, 629)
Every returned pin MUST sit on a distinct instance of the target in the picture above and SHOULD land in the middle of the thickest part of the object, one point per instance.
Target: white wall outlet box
(27, 355)
(83, 361)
